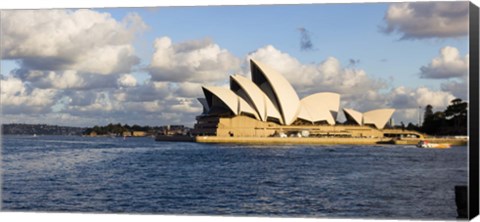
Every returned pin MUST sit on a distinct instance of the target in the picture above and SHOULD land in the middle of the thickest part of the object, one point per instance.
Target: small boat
(426, 144)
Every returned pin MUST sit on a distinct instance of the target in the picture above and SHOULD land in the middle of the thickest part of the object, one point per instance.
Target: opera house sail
(268, 105)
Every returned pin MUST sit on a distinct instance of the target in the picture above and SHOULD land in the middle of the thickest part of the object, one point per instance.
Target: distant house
(93, 133)
(126, 133)
(174, 130)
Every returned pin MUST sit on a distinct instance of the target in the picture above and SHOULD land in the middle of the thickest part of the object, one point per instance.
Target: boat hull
(423, 144)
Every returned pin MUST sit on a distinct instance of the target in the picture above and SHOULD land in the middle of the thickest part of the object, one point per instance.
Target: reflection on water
(139, 175)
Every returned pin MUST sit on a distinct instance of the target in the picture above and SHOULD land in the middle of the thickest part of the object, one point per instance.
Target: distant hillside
(40, 129)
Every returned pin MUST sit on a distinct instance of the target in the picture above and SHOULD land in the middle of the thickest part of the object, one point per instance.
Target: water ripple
(139, 175)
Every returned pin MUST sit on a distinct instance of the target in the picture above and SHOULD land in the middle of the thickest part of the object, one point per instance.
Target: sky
(146, 65)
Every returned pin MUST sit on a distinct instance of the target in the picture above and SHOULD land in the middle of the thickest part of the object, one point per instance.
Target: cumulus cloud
(127, 80)
(82, 40)
(327, 75)
(79, 98)
(448, 64)
(193, 61)
(407, 115)
(189, 89)
(16, 96)
(407, 101)
(358, 90)
(459, 88)
(155, 110)
(101, 103)
(76, 65)
(434, 98)
(68, 79)
(280, 61)
(404, 98)
(58, 79)
(60, 52)
(420, 20)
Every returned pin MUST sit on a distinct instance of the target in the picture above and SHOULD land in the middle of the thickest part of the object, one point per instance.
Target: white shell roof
(288, 101)
(357, 116)
(270, 95)
(328, 100)
(310, 113)
(378, 117)
(244, 107)
(318, 107)
(233, 102)
(262, 104)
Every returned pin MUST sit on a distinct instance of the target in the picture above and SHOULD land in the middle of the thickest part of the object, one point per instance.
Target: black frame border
(473, 182)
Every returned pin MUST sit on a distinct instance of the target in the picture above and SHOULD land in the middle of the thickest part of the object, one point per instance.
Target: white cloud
(101, 103)
(419, 20)
(17, 97)
(67, 79)
(410, 103)
(406, 101)
(426, 96)
(326, 76)
(127, 80)
(190, 106)
(407, 115)
(178, 70)
(459, 88)
(189, 90)
(403, 98)
(282, 62)
(448, 64)
(82, 40)
(145, 106)
(194, 61)
(149, 91)
(76, 64)
(107, 60)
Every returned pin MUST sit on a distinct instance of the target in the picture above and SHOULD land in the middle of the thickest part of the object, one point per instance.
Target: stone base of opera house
(247, 130)
(274, 140)
(307, 140)
(291, 140)
(244, 126)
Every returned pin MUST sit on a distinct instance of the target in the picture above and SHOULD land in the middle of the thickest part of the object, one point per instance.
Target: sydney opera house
(267, 105)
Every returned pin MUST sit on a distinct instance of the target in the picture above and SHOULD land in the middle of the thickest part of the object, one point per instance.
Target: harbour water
(139, 175)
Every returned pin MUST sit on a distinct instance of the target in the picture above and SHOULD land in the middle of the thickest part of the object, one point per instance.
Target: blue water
(139, 175)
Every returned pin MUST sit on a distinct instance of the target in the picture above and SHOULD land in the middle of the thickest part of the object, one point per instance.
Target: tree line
(452, 121)
(118, 129)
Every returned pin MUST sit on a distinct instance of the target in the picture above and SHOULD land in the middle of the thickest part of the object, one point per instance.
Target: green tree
(428, 111)
(452, 121)
(457, 113)
(428, 125)
(458, 108)
(433, 122)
